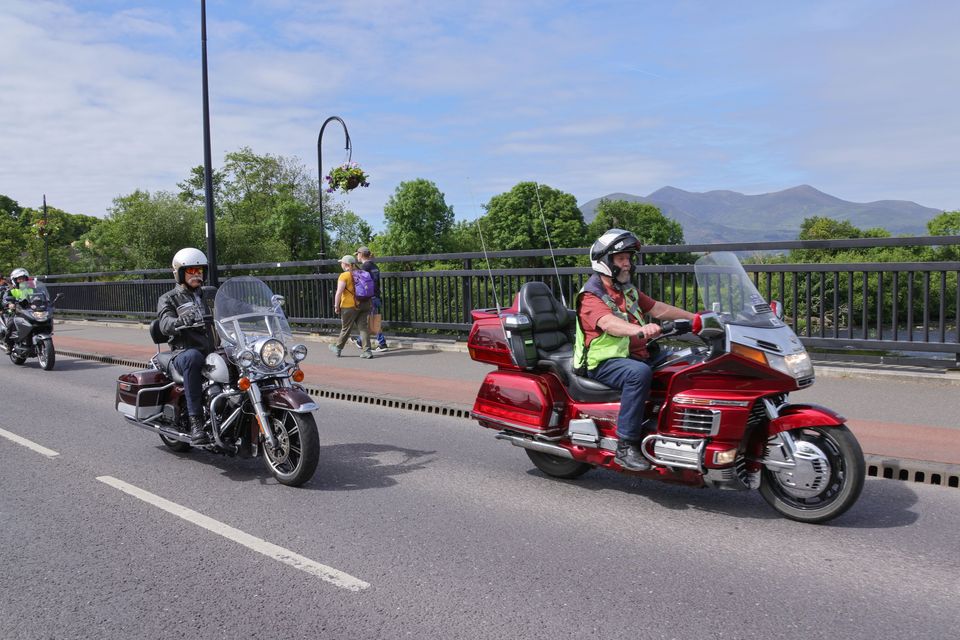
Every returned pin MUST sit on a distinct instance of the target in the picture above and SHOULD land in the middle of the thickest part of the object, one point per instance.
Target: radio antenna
(493, 284)
(543, 218)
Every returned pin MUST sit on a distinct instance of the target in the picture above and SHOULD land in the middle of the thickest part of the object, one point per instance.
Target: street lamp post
(207, 168)
(349, 149)
(46, 235)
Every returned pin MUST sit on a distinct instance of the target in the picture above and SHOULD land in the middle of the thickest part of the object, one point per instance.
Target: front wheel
(295, 459)
(46, 354)
(825, 483)
(16, 358)
(556, 466)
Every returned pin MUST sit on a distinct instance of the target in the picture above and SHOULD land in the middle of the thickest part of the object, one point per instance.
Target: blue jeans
(189, 363)
(633, 378)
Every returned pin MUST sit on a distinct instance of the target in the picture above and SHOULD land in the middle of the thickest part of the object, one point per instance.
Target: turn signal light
(749, 353)
(298, 375)
(724, 457)
(243, 384)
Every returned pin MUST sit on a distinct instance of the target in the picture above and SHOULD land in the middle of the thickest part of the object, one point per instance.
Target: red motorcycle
(718, 414)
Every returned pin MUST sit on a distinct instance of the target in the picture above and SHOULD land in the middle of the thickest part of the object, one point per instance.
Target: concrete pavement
(901, 416)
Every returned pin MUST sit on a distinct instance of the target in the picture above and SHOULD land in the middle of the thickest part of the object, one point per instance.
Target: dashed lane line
(329, 574)
(50, 453)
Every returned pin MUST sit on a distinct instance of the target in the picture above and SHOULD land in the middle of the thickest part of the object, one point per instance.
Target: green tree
(350, 231)
(418, 220)
(142, 231)
(946, 224)
(646, 222)
(516, 220)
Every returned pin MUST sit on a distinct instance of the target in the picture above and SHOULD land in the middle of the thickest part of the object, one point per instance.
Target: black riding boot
(629, 457)
(197, 434)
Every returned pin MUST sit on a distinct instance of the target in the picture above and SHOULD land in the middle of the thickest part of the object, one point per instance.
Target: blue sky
(858, 99)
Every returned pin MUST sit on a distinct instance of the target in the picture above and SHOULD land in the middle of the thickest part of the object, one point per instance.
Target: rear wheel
(556, 466)
(175, 445)
(827, 480)
(46, 354)
(295, 459)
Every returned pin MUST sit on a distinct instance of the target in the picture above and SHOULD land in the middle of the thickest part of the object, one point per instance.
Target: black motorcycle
(31, 332)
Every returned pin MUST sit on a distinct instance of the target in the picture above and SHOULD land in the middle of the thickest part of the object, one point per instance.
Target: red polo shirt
(593, 308)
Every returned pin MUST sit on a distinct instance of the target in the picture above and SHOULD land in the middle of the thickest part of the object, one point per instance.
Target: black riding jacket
(201, 339)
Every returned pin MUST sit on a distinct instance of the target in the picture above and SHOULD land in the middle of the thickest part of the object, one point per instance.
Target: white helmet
(19, 272)
(186, 258)
(612, 241)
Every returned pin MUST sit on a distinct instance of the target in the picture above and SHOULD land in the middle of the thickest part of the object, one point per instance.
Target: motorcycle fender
(40, 337)
(294, 400)
(798, 416)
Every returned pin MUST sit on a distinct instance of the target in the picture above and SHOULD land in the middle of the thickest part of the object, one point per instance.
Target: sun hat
(348, 260)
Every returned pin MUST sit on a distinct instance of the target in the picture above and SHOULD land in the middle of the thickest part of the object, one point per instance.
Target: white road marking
(322, 571)
(50, 453)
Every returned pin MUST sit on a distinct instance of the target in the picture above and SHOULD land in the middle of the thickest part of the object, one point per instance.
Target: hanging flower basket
(347, 177)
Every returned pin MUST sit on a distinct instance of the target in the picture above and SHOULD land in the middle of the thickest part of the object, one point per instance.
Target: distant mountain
(729, 216)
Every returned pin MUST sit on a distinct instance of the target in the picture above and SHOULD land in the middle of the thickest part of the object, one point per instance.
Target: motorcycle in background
(253, 404)
(719, 413)
(31, 333)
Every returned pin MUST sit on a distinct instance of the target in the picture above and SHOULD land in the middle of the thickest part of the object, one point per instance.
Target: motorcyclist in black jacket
(181, 313)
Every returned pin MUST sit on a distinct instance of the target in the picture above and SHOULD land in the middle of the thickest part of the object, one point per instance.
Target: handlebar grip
(666, 327)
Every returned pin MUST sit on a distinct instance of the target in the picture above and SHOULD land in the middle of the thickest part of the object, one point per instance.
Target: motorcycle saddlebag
(141, 394)
(521, 402)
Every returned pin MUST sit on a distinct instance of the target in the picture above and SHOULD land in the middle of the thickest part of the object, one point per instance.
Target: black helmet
(611, 242)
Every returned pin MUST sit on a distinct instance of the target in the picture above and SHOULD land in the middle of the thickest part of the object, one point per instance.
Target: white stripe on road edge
(331, 575)
(50, 453)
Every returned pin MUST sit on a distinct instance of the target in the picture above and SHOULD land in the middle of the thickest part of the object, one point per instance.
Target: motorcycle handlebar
(676, 327)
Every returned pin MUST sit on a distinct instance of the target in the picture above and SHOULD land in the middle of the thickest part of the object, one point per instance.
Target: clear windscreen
(245, 310)
(727, 290)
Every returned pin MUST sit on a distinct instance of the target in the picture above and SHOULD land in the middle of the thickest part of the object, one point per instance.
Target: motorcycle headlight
(40, 315)
(272, 353)
(795, 365)
(245, 358)
(299, 352)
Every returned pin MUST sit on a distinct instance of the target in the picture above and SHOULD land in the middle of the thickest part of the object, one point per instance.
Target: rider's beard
(194, 281)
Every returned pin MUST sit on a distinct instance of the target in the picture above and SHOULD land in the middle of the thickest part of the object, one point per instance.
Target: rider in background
(18, 289)
(180, 312)
(612, 336)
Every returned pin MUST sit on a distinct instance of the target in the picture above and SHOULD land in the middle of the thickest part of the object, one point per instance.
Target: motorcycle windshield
(34, 291)
(245, 310)
(727, 290)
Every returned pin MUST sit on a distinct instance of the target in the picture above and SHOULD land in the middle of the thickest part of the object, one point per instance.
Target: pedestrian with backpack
(365, 257)
(352, 303)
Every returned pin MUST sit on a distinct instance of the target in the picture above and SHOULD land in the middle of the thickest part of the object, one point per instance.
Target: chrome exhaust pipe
(173, 434)
(534, 445)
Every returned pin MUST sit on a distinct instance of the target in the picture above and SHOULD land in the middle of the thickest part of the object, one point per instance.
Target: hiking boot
(197, 435)
(335, 349)
(630, 458)
(366, 354)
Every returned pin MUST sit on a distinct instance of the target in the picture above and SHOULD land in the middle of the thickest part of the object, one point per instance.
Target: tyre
(46, 354)
(298, 447)
(175, 445)
(828, 478)
(556, 466)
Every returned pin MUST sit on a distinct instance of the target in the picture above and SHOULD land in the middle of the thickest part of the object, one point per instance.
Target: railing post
(466, 290)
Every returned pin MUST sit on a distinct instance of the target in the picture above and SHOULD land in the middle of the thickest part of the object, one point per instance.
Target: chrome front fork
(256, 399)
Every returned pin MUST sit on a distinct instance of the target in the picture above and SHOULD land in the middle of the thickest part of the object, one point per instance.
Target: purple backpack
(362, 285)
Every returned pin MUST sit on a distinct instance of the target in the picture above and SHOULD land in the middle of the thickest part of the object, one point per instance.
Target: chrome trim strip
(533, 445)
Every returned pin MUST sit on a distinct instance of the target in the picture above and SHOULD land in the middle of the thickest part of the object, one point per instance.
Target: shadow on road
(350, 467)
(883, 504)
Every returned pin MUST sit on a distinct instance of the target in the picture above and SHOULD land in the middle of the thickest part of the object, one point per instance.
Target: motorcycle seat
(580, 388)
(553, 327)
(165, 363)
